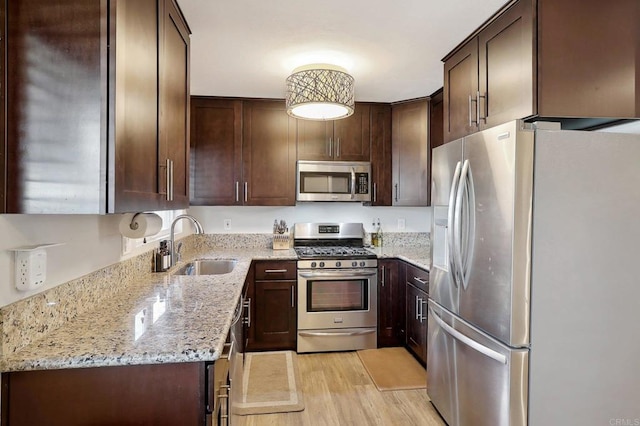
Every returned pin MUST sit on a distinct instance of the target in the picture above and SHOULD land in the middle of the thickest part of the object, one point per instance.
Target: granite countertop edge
(187, 317)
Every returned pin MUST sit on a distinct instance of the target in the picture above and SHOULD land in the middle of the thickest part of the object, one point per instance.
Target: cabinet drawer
(279, 270)
(418, 277)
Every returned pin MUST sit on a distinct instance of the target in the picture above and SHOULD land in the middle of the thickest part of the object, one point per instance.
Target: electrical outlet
(227, 224)
(401, 224)
(30, 269)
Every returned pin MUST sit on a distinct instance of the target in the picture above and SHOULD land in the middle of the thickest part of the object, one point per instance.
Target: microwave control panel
(362, 183)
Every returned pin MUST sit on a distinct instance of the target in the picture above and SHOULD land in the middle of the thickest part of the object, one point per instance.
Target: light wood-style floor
(338, 391)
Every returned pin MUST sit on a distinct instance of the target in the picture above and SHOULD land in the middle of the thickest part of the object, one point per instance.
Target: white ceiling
(393, 49)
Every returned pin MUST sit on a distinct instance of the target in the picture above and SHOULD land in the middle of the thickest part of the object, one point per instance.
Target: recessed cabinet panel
(506, 64)
(216, 151)
(460, 88)
(55, 159)
(381, 165)
(411, 155)
(268, 154)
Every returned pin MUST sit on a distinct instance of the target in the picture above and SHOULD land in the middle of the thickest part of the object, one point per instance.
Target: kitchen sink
(207, 267)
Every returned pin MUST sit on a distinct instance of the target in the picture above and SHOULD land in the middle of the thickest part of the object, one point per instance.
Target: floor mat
(393, 369)
(271, 384)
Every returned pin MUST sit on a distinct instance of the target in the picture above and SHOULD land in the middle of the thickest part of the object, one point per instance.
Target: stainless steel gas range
(337, 288)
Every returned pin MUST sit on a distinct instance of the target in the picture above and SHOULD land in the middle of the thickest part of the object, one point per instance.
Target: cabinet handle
(329, 146)
(275, 271)
(422, 316)
(478, 97)
(470, 111)
(168, 172)
(247, 320)
(338, 147)
(375, 192)
(383, 275)
(293, 297)
(237, 192)
(246, 192)
(417, 308)
(396, 185)
(421, 281)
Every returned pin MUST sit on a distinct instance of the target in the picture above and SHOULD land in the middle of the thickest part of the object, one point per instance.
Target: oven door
(337, 298)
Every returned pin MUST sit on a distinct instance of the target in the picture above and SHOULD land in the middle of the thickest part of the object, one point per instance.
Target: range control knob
(354, 263)
(362, 263)
(338, 264)
(313, 264)
(322, 264)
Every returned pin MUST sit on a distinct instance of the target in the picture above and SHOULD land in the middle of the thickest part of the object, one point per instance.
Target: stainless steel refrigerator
(534, 309)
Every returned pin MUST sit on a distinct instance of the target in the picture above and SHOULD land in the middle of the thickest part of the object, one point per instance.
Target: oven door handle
(338, 274)
(337, 333)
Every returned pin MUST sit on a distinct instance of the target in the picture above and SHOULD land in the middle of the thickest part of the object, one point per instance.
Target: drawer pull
(421, 281)
(276, 271)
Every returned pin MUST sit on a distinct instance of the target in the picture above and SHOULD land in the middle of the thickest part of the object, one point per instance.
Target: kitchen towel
(140, 226)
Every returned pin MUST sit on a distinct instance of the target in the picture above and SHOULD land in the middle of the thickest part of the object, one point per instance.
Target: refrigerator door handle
(496, 356)
(465, 222)
(456, 242)
(450, 223)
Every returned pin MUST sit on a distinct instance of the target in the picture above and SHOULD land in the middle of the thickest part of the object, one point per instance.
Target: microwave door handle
(353, 183)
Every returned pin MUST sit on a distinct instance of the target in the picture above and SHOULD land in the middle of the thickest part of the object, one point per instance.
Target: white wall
(91, 242)
(88, 243)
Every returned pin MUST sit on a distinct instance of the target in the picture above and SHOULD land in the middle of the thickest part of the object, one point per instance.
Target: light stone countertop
(163, 318)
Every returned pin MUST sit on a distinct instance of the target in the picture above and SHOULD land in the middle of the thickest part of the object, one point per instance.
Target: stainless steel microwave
(333, 181)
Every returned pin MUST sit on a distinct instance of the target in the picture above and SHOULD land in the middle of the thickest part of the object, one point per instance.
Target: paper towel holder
(134, 225)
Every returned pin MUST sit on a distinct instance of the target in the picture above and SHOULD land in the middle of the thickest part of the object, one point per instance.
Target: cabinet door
(216, 151)
(460, 88)
(417, 322)
(174, 104)
(506, 62)
(381, 155)
(352, 135)
(388, 300)
(436, 119)
(157, 394)
(56, 96)
(140, 180)
(275, 321)
(411, 154)
(589, 58)
(268, 154)
(315, 140)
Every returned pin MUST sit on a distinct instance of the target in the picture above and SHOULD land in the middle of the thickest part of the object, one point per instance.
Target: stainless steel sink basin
(207, 267)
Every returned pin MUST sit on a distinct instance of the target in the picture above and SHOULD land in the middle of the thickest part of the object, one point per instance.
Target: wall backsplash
(92, 242)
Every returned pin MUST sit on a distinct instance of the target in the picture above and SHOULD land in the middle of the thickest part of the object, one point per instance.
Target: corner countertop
(163, 318)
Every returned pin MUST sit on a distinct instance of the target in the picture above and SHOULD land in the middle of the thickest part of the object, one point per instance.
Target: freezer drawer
(474, 379)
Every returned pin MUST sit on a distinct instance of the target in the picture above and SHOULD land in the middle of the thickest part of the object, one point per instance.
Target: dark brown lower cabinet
(273, 323)
(391, 304)
(159, 394)
(417, 322)
(417, 287)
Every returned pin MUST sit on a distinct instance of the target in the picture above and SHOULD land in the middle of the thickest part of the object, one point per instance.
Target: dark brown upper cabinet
(243, 152)
(381, 164)
(216, 152)
(97, 106)
(268, 154)
(411, 154)
(347, 139)
(567, 59)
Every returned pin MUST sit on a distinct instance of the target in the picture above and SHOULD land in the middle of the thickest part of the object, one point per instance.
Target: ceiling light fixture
(320, 92)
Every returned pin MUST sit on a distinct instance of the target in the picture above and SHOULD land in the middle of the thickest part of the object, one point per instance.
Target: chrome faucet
(196, 224)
